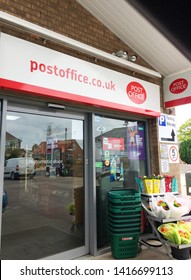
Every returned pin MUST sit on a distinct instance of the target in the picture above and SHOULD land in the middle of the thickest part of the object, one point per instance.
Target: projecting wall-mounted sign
(177, 89)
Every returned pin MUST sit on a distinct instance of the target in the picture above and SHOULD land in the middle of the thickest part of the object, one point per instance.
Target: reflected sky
(32, 129)
(103, 124)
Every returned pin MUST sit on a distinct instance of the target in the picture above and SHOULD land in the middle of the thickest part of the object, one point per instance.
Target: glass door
(44, 180)
(120, 155)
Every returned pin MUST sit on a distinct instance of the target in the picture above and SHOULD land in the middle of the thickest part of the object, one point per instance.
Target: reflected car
(5, 200)
(19, 167)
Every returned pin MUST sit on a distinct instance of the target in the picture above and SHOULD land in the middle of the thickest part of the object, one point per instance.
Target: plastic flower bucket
(156, 185)
(174, 185)
(168, 183)
(180, 254)
(148, 183)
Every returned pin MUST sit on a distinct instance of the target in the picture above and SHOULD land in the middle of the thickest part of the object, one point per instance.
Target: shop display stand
(154, 223)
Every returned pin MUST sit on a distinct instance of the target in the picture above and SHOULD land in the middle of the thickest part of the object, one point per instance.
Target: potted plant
(148, 184)
(157, 183)
(71, 208)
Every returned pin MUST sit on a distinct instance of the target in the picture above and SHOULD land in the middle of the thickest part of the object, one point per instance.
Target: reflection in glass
(43, 177)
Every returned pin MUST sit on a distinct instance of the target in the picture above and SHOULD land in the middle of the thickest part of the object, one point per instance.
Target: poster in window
(114, 144)
(135, 141)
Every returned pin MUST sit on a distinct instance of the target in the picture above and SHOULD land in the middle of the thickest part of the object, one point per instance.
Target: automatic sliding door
(44, 179)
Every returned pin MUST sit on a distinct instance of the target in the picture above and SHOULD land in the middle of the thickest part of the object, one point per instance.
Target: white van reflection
(19, 167)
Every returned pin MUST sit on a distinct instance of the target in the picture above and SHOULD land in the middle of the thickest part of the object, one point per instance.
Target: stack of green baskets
(124, 222)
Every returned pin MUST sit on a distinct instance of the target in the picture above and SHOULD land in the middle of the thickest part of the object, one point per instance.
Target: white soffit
(138, 34)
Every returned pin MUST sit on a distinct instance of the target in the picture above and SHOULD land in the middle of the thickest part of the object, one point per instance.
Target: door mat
(37, 243)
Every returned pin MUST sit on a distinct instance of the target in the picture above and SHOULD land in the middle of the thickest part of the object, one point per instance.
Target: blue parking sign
(162, 120)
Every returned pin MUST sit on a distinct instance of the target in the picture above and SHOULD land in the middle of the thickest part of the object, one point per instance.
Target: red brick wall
(67, 17)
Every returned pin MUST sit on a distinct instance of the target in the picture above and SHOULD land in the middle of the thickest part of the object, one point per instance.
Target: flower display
(157, 184)
(168, 206)
(177, 204)
(175, 233)
(163, 204)
(152, 184)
